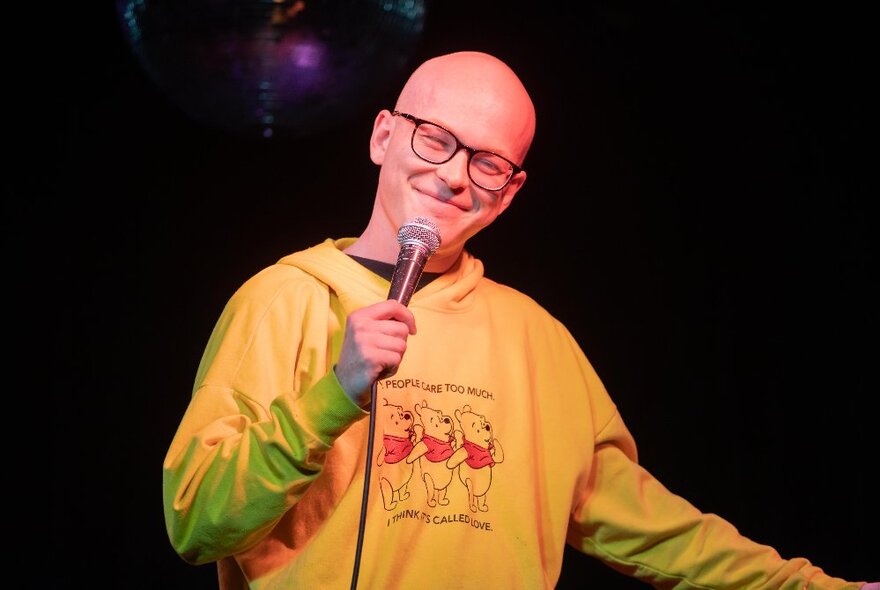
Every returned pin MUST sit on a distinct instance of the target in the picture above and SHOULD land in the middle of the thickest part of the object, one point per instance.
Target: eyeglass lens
(437, 145)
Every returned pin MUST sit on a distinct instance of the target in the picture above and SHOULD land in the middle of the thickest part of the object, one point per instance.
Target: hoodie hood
(357, 286)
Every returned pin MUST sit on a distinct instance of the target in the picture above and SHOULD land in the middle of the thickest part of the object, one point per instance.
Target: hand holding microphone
(375, 335)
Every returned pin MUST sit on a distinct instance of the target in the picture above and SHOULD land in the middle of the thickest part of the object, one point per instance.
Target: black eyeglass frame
(458, 146)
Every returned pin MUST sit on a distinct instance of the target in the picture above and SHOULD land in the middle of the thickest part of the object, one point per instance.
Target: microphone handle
(410, 264)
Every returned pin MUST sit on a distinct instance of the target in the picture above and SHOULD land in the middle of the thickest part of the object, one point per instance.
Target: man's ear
(511, 189)
(381, 135)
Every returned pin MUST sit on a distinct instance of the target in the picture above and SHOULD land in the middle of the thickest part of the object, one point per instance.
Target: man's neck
(368, 246)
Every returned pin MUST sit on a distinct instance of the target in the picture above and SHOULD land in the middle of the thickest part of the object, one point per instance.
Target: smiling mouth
(449, 202)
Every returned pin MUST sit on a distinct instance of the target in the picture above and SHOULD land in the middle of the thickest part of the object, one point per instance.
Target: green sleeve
(232, 481)
(265, 410)
(630, 521)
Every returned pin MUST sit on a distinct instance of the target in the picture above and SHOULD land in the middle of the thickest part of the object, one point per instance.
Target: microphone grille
(422, 231)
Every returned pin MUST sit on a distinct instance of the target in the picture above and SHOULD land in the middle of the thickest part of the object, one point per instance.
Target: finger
(388, 310)
(388, 363)
(393, 328)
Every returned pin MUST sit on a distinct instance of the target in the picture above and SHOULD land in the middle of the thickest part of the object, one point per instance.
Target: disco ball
(272, 67)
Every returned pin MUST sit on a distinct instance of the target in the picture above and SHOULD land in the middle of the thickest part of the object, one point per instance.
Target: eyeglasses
(438, 145)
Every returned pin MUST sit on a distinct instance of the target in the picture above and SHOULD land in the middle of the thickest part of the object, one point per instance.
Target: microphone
(418, 239)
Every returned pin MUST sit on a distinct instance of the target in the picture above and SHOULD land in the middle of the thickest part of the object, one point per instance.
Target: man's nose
(455, 172)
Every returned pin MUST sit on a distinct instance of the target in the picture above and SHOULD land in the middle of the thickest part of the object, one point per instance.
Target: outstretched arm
(630, 521)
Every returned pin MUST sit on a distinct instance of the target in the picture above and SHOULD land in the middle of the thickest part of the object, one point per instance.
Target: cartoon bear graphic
(432, 450)
(476, 453)
(398, 438)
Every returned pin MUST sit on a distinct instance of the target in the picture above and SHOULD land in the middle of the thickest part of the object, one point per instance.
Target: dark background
(696, 211)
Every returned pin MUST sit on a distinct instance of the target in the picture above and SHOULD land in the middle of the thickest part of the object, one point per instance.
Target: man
(496, 441)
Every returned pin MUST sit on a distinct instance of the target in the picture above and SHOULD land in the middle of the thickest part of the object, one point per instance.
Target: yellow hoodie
(496, 443)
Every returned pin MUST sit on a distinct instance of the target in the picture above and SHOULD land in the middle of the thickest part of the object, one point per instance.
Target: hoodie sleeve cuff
(328, 408)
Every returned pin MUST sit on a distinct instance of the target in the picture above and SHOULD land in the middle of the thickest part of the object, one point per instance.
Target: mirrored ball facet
(270, 68)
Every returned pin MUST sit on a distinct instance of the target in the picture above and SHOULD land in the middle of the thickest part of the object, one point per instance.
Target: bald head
(473, 90)
(483, 103)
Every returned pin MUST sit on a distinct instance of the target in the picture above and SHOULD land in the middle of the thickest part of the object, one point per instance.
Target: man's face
(409, 186)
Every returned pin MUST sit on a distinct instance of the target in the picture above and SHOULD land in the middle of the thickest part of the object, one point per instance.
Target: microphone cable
(367, 470)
